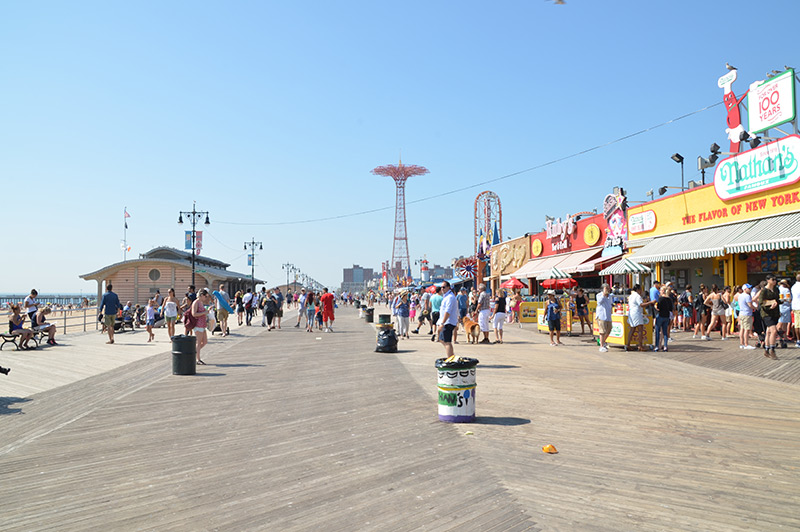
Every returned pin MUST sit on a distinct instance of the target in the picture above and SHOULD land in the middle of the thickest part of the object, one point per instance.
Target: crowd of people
(202, 311)
(759, 316)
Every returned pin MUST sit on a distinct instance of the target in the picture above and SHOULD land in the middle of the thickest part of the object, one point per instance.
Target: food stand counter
(620, 329)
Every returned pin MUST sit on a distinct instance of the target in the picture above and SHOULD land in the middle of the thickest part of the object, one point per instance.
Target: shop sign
(536, 247)
(771, 103)
(642, 222)
(556, 229)
(769, 166)
(616, 224)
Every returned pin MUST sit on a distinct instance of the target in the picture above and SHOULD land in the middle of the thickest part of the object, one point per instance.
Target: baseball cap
(747, 285)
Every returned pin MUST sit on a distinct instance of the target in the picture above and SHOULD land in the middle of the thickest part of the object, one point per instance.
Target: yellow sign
(591, 235)
(700, 207)
(536, 248)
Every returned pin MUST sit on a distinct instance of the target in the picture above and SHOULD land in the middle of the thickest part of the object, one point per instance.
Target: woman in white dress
(636, 317)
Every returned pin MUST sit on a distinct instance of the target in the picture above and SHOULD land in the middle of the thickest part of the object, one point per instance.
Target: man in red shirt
(326, 299)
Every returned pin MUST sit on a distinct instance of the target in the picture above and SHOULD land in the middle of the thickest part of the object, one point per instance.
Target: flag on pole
(126, 213)
(496, 237)
(198, 242)
(188, 242)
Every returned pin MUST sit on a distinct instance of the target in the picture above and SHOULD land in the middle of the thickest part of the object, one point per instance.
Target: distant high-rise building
(355, 278)
(441, 272)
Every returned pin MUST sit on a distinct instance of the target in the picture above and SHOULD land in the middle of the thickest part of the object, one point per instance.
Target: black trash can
(369, 314)
(184, 353)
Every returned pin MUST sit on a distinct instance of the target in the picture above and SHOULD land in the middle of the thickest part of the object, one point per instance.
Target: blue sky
(266, 112)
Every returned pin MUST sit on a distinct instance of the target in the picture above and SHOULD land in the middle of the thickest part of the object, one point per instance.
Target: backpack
(684, 299)
(189, 321)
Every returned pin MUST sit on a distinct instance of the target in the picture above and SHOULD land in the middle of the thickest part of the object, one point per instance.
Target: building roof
(209, 268)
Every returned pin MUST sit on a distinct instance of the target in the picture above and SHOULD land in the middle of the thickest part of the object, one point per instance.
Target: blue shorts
(786, 316)
(151, 322)
(446, 333)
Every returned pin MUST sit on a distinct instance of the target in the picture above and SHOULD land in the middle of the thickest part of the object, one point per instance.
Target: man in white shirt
(603, 316)
(746, 308)
(796, 309)
(249, 301)
(448, 320)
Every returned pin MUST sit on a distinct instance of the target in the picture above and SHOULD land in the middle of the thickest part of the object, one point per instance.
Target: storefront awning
(570, 262)
(623, 266)
(700, 244)
(597, 263)
(777, 232)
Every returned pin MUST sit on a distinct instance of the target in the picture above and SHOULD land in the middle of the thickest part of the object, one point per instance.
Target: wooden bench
(38, 336)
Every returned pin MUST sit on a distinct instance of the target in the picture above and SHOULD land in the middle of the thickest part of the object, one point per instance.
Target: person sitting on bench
(42, 325)
(16, 329)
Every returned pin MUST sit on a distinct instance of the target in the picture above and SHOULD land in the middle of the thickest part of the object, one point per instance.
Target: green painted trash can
(383, 319)
(457, 384)
(184, 353)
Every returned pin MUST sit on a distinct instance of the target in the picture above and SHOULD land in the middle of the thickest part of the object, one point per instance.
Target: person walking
(301, 306)
(553, 316)
(603, 316)
(310, 311)
(436, 305)
(701, 312)
(796, 309)
(785, 306)
(150, 319)
(424, 312)
(663, 311)
(200, 316)
(222, 313)
(250, 302)
(717, 304)
(448, 320)
(499, 316)
(746, 308)
(327, 302)
(402, 311)
(462, 300)
(170, 311)
(483, 303)
(279, 311)
(109, 307)
(269, 307)
(769, 308)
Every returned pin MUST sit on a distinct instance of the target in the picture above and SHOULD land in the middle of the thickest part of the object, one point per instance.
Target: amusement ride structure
(488, 220)
(400, 267)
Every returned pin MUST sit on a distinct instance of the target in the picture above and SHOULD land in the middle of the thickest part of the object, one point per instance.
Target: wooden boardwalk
(287, 430)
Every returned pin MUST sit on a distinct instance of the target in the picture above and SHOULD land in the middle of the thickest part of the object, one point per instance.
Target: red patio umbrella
(514, 284)
(569, 282)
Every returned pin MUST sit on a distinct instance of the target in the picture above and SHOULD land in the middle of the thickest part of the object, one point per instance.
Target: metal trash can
(456, 382)
(384, 319)
(184, 353)
(369, 314)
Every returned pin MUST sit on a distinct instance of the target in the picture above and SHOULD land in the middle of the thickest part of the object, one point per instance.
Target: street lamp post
(194, 216)
(289, 268)
(252, 244)
(678, 158)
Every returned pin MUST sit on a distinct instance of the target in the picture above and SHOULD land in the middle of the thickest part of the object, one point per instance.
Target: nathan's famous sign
(769, 166)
